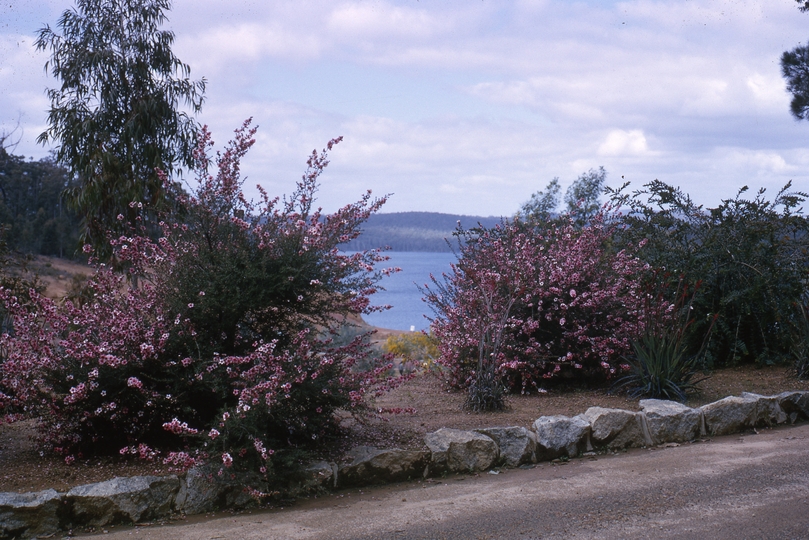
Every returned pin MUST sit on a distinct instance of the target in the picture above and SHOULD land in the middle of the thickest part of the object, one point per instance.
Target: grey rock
(322, 474)
(202, 489)
(28, 515)
(317, 476)
(517, 445)
(768, 409)
(561, 435)
(455, 450)
(615, 428)
(729, 415)
(122, 500)
(669, 421)
(374, 466)
(795, 403)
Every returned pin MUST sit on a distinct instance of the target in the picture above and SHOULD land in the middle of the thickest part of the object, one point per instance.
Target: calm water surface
(401, 290)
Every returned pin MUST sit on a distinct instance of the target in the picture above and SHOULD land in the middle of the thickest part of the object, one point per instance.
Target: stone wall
(144, 498)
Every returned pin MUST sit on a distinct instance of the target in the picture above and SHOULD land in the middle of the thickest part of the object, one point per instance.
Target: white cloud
(222, 49)
(622, 143)
(769, 91)
(757, 163)
(503, 96)
(380, 20)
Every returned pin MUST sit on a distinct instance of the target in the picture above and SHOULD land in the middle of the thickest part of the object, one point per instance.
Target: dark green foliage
(542, 204)
(582, 197)
(118, 112)
(795, 69)
(750, 255)
(31, 207)
(801, 349)
(486, 392)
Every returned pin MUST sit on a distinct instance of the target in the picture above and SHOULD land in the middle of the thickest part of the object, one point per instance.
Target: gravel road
(739, 487)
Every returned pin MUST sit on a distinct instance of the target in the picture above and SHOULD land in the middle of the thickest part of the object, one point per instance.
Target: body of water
(402, 293)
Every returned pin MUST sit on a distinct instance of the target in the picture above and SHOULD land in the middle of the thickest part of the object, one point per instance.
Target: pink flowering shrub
(207, 348)
(536, 303)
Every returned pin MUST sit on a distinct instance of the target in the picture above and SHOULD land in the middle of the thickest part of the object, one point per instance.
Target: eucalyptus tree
(542, 204)
(581, 199)
(124, 109)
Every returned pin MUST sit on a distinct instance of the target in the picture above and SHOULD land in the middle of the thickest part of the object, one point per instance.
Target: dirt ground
(22, 468)
(436, 407)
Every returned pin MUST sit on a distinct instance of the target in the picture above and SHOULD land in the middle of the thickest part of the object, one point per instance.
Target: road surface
(738, 487)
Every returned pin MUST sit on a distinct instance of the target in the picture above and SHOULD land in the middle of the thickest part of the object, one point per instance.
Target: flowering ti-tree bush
(532, 303)
(207, 347)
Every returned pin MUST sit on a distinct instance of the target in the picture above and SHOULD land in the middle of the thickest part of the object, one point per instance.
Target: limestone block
(202, 490)
(615, 428)
(374, 466)
(28, 515)
(795, 403)
(561, 435)
(122, 500)
(729, 415)
(517, 445)
(670, 421)
(455, 450)
(768, 409)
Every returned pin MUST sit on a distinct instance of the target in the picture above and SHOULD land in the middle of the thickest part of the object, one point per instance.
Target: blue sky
(471, 106)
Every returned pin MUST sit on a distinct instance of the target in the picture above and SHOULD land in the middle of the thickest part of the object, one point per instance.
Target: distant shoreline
(425, 232)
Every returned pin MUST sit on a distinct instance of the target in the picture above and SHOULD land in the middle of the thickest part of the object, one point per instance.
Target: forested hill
(414, 231)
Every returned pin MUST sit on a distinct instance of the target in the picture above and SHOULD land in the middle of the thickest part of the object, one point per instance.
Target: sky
(470, 106)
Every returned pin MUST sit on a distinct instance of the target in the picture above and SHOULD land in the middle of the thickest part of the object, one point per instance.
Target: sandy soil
(58, 274)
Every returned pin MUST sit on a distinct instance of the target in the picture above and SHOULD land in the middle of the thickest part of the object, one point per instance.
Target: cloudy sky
(470, 106)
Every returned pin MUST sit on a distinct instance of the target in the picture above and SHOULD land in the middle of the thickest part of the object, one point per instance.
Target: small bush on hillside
(413, 350)
(19, 281)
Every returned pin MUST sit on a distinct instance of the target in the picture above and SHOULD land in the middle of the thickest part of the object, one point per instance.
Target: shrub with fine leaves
(208, 350)
(539, 303)
(750, 254)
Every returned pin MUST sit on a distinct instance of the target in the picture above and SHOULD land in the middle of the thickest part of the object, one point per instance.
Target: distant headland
(414, 231)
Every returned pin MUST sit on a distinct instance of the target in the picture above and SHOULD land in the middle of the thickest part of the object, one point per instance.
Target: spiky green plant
(660, 365)
(660, 368)
(486, 392)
